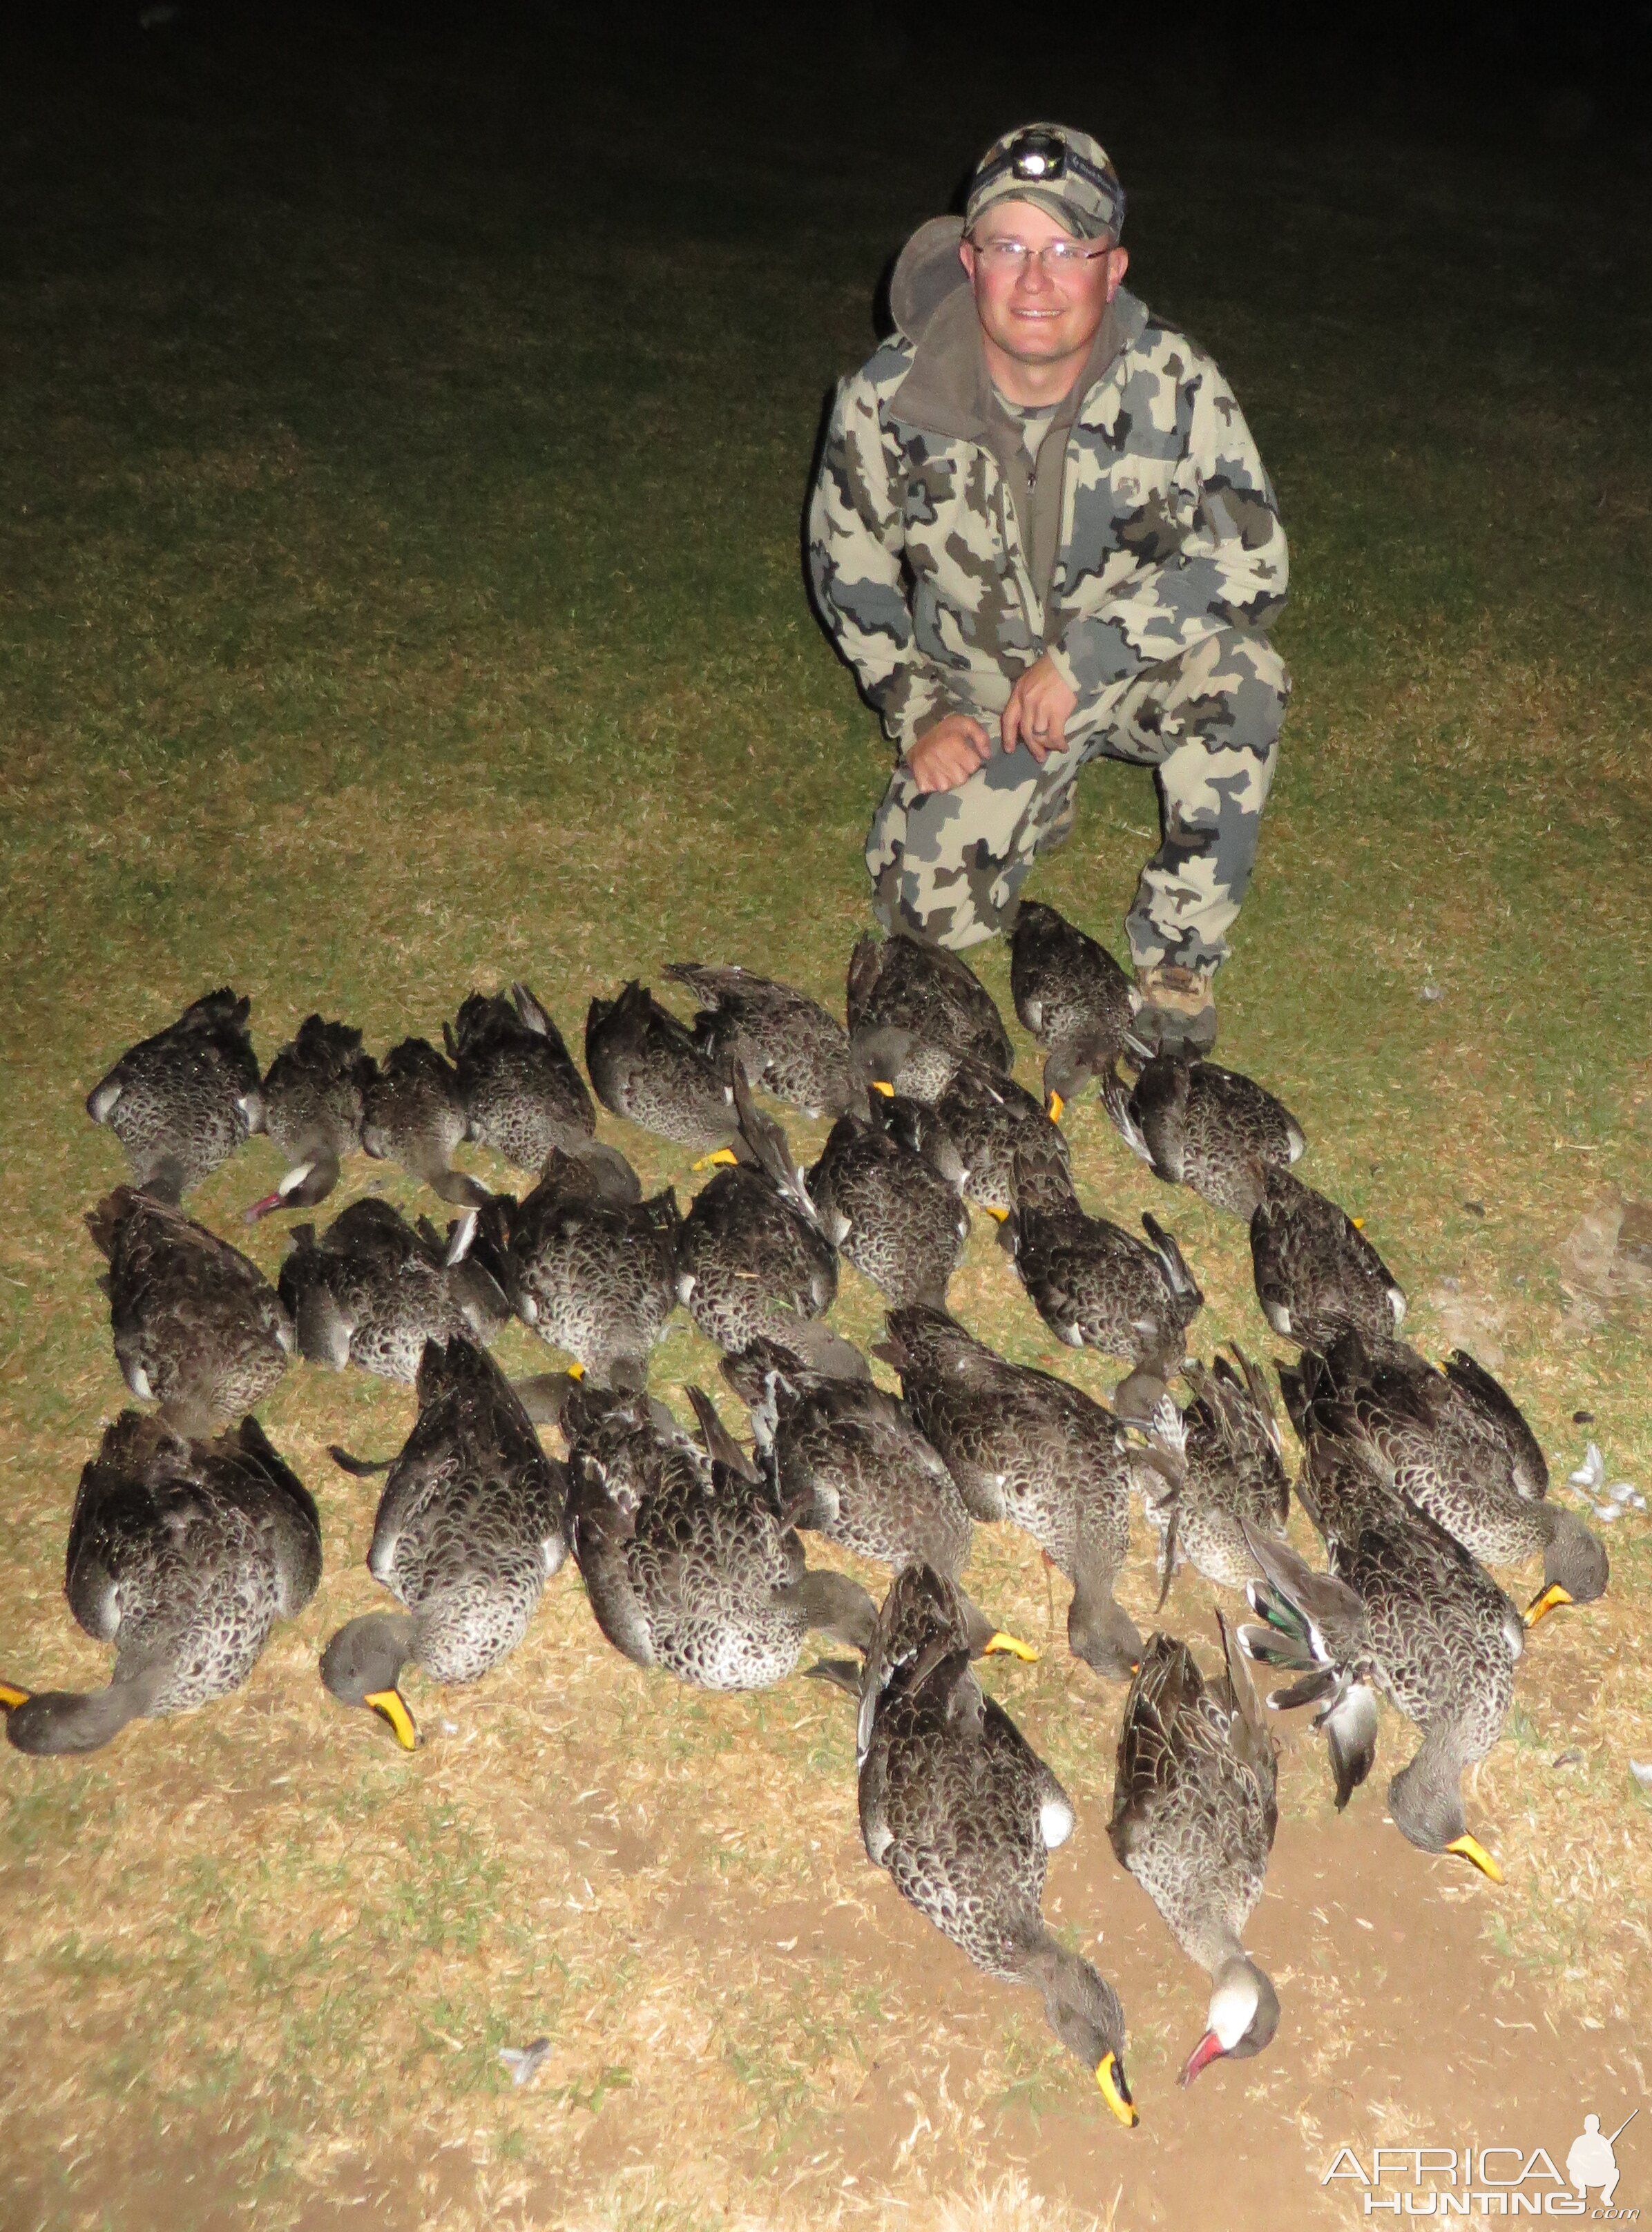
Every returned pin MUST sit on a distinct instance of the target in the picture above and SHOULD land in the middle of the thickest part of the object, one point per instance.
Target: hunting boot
(1178, 1016)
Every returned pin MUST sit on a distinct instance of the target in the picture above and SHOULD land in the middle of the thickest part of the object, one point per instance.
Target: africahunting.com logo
(1488, 2181)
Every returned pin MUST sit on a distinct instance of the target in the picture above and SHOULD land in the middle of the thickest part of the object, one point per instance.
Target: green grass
(401, 511)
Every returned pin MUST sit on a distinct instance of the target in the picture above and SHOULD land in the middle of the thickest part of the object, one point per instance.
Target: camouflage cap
(1063, 171)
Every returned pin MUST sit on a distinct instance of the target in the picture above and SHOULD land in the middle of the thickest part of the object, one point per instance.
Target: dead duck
(647, 1066)
(929, 1004)
(1194, 1813)
(184, 1555)
(963, 1814)
(372, 1290)
(197, 1328)
(888, 1211)
(413, 1115)
(521, 1093)
(1405, 1610)
(182, 1102)
(588, 1266)
(315, 1098)
(1025, 1446)
(1405, 1414)
(751, 1258)
(849, 1462)
(1097, 1286)
(785, 1043)
(974, 1130)
(1234, 1475)
(469, 1530)
(1074, 998)
(686, 1558)
(1315, 1270)
(1200, 1125)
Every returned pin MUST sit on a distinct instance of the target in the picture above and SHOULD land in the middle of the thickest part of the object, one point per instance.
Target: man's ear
(1117, 264)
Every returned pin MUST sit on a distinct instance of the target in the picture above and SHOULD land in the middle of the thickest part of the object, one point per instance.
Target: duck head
(1575, 1566)
(1103, 1634)
(1244, 2015)
(880, 1052)
(362, 1666)
(1083, 2011)
(301, 1187)
(1426, 1801)
(1070, 1068)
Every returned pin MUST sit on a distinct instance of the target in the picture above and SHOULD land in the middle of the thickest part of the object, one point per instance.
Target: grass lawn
(404, 440)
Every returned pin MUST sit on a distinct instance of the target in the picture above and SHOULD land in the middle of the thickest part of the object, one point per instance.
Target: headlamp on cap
(1037, 154)
(1066, 170)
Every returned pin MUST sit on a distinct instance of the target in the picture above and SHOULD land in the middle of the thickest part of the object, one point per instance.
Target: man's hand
(1039, 709)
(949, 754)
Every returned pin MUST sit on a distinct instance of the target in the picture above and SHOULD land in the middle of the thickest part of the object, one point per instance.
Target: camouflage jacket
(943, 565)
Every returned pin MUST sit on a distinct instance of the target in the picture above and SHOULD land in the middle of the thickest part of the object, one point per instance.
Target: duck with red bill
(314, 1098)
(1193, 1818)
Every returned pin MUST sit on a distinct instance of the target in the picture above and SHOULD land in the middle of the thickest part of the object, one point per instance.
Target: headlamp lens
(1038, 155)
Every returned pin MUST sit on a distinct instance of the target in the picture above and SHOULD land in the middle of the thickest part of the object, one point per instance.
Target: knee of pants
(954, 906)
(946, 865)
(1250, 672)
(1228, 693)
(1260, 655)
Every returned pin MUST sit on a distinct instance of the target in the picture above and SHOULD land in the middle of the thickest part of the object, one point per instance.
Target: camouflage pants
(947, 866)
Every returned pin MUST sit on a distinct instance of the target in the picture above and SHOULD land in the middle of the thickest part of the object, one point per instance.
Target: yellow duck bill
(1546, 1601)
(392, 1706)
(1472, 1849)
(1115, 2089)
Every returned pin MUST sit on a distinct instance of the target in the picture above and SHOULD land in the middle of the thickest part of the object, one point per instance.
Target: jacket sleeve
(856, 546)
(1214, 557)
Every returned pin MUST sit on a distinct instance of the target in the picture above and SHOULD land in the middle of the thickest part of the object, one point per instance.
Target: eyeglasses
(1056, 256)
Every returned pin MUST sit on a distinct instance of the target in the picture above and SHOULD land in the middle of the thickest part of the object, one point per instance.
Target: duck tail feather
(1116, 1097)
(769, 1146)
(531, 1011)
(1167, 1428)
(1182, 1280)
(1312, 1689)
(719, 1444)
(1167, 1553)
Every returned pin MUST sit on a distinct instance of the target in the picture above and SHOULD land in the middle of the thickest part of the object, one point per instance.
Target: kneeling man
(1040, 533)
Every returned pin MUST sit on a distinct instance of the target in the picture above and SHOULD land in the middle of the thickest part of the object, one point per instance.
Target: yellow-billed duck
(469, 1530)
(184, 1555)
(964, 1815)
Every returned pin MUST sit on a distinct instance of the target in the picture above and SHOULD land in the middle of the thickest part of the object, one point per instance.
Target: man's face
(1034, 314)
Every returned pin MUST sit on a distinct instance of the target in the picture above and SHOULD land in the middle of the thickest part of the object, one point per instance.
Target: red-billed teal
(315, 1098)
(1193, 1818)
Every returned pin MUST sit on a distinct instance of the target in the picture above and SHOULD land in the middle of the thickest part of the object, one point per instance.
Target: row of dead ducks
(944, 1123)
(185, 1550)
